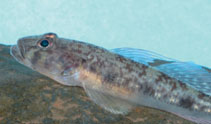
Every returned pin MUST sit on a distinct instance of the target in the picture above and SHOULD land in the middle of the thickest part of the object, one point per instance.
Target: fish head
(47, 54)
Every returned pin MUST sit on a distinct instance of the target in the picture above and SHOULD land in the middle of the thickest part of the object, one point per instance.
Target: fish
(120, 79)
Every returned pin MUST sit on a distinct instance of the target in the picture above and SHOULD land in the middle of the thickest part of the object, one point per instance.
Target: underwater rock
(29, 97)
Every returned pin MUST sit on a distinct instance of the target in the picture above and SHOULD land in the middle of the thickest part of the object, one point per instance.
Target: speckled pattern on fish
(115, 82)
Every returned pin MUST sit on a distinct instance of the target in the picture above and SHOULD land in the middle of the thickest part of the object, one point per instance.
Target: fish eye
(44, 43)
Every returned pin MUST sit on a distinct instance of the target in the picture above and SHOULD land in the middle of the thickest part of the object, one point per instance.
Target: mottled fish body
(123, 78)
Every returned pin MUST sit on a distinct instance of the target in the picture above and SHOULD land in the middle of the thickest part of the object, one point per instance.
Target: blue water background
(179, 29)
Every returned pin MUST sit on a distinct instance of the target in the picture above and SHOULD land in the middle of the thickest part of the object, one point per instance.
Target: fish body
(118, 79)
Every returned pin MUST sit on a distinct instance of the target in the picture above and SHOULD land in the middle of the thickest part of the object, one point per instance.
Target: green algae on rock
(29, 97)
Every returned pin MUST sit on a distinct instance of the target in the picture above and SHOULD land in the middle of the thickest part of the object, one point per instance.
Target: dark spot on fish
(140, 87)
(182, 85)
(140, 74)
(158, 62)
(165, 77)
(174, 87)
(119, 58)
(162, 78)
(186, 102)
(79, 46)
(152, 92)
(137, 65)
(66, 57)
(201, 95)
(93, 68)
(83, 61)
(36, 57)
(128, 67)
(148, 90)
(158, 79)
(109, 77)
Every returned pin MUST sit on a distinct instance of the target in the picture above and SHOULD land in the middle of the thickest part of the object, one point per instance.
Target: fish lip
(15, 53)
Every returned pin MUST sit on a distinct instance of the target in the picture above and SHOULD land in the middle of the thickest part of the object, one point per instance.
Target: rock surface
(29, 97)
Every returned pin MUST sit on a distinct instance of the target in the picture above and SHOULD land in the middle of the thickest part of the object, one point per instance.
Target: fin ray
(140, 55)
(108, 102)
(193, 75)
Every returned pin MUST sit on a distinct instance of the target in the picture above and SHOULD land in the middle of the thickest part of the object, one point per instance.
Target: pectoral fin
(110, 103)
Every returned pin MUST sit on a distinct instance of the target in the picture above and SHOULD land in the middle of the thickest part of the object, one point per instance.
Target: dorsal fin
(142, 56)
(196, 76)
(191, 74)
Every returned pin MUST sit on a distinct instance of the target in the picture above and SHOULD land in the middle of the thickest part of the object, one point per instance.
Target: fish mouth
(16, 53)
